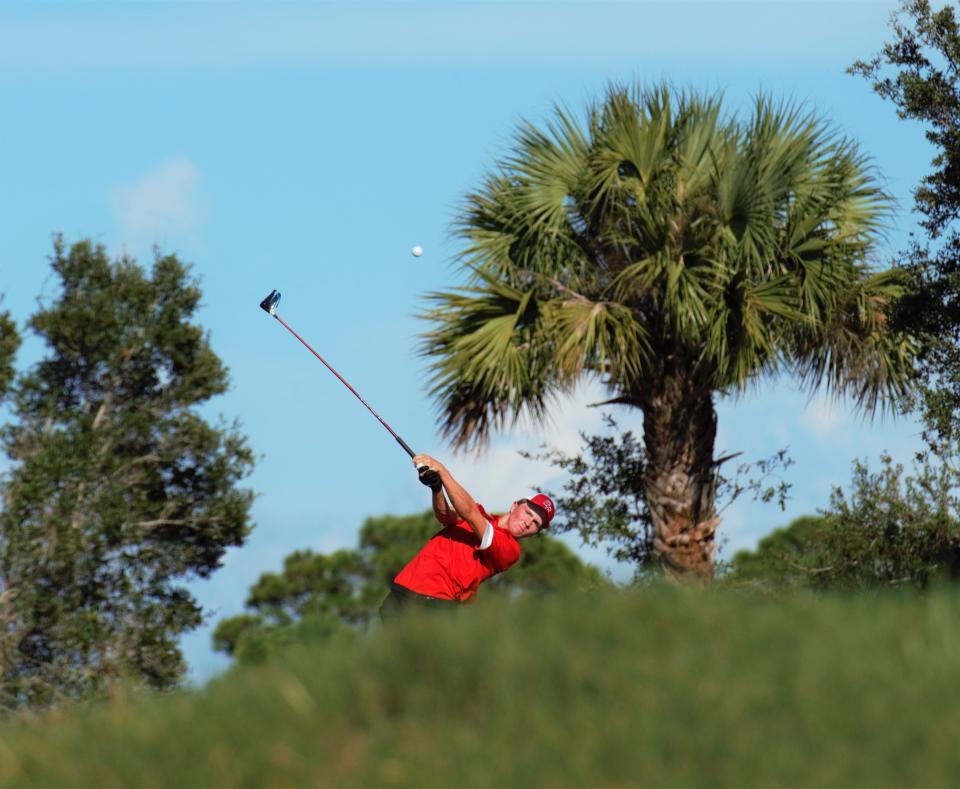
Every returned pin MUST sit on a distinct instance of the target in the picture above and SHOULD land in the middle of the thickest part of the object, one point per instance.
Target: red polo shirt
(452, 565)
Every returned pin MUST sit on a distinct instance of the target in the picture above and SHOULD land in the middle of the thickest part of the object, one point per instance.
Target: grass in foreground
(643, 688)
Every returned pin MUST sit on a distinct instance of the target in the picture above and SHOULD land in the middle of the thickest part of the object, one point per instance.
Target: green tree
(118, 490)
(676, 255)
(919, 71)
(785, 558)
(889, 529)
(602, 497)
(343, 590)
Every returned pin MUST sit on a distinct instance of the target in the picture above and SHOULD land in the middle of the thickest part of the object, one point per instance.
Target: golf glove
(431, 479)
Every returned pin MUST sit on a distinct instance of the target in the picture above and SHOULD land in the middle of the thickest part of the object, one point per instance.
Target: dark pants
(400, 599)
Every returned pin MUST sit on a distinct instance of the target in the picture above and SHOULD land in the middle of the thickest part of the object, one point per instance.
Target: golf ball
(417, 251)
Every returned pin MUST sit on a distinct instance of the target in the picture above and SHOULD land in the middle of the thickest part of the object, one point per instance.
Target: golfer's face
(523, 521)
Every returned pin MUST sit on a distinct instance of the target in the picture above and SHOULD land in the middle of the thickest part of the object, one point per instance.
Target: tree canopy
(118, 489)
(785, 558)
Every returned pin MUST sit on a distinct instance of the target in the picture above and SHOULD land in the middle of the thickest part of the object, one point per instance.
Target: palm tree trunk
(680, 483)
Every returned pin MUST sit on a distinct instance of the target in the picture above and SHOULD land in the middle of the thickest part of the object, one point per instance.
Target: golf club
(269, 305)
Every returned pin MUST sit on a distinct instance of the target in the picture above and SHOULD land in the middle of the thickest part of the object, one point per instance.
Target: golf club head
(269, 304)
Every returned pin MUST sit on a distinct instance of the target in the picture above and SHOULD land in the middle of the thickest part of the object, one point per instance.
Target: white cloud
(163, 206)
(501, 475)
(825, 416)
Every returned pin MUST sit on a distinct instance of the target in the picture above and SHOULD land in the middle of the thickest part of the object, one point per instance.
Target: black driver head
(269, 304)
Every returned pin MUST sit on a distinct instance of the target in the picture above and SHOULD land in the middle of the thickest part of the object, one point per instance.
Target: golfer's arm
(442, 510)
(464, 504)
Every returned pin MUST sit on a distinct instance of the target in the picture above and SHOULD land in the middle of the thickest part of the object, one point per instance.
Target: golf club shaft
(342, 380)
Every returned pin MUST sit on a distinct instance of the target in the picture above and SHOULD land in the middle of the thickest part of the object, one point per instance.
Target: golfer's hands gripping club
(428, 470)
(431, 479)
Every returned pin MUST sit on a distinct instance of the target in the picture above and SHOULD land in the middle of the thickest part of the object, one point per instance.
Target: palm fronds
(658, 225)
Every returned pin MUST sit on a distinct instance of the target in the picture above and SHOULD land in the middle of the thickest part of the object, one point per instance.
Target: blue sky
(308, 146)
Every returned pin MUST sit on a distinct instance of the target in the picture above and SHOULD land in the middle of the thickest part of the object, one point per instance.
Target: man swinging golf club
(472, 547)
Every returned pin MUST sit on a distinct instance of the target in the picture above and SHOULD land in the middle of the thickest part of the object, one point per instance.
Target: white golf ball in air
(417, 251)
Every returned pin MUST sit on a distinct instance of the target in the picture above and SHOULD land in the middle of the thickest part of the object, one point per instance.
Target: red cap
(544, 502)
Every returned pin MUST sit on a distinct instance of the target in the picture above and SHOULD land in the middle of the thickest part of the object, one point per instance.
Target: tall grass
(652, 688)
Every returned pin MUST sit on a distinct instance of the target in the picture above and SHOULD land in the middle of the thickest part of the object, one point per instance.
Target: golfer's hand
(425, 465)
(430, 478)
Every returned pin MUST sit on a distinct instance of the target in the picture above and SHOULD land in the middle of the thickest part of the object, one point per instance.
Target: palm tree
(676, 254)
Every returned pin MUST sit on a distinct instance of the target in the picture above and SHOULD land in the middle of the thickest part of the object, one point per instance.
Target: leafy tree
(343, 590)
(889, 529)
(603, 497)
(919, 71)
(118, 490)
(892, 529)
(785, 558)
(677, 255)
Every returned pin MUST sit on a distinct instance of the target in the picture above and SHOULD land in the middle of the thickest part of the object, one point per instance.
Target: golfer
(472, 547)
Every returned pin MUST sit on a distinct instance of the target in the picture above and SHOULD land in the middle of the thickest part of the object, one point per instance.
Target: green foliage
(342, 591)
(230, 631)
(919, 72)
(890, 529)
(662, 229)
(9, 343)
(603, 497)
(659, 688)
(118, 490)
(783, 558)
